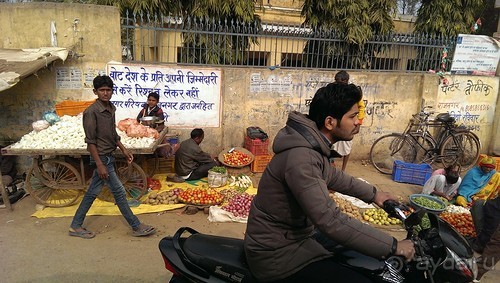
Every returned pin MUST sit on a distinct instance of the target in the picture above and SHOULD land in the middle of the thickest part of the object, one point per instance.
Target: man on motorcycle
(292, 206)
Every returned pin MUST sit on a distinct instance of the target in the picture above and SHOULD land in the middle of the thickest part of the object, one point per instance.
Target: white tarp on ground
(16, 64)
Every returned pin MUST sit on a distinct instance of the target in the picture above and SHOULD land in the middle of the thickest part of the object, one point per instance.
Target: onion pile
(239, 205)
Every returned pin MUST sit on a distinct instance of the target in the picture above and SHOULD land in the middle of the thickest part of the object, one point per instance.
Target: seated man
(192, 163)
(443, 184)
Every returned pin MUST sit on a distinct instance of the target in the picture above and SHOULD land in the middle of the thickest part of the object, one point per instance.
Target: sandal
(143, 230)
(82, 233)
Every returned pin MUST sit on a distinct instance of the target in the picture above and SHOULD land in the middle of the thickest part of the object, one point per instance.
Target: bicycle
(452, 145)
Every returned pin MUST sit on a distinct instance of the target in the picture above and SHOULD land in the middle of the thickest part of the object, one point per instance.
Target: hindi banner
(189, 97)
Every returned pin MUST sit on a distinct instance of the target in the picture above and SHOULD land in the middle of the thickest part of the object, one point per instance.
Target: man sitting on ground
(443, 183)
(191, 162)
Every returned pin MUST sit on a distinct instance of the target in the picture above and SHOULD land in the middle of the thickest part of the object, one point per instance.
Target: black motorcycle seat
(445, 118)
(218, 255)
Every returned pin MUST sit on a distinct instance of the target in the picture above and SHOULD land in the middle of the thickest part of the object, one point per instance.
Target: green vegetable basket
(429, 203)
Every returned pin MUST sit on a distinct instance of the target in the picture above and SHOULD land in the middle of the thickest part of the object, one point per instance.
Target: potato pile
(347, 207)
(165, 197)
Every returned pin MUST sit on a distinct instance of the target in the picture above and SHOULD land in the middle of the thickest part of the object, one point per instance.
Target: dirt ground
(40, 250)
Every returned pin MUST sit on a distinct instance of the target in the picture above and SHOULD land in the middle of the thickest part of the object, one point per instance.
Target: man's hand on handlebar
(406, 249)
(381, 197)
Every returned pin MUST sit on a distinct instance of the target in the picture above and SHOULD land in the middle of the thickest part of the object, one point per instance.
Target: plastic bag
(125, 123)
(40, 125)
(217, 214)
(153, 184)
(137, 131)
(256, 133)
(50, 117)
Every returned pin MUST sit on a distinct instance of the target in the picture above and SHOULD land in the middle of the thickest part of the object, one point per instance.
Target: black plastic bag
(256, 133)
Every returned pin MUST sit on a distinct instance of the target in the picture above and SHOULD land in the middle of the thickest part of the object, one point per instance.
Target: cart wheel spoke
(134, 181)
(54, 183)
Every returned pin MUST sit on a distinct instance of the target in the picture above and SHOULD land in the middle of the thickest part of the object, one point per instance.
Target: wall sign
(189, 97)
(475, 55)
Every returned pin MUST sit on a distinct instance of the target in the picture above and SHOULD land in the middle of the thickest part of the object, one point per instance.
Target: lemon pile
(380, 217)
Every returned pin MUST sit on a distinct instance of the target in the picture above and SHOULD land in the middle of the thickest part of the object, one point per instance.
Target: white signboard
(188, 97)
(475, 55)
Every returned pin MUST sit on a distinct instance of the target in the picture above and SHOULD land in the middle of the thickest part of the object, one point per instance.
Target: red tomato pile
(201, 196)
(236, 158)
(462, 222)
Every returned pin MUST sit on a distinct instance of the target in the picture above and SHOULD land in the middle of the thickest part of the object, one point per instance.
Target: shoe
(83, 233)
(175, 179)
(143, 230)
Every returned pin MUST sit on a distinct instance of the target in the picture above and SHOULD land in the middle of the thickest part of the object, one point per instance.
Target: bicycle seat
(445, 118)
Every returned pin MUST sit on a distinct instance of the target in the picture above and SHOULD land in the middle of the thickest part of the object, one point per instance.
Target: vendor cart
(54, 180)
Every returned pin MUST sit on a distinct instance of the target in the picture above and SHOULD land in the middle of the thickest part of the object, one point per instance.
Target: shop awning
(17, 64)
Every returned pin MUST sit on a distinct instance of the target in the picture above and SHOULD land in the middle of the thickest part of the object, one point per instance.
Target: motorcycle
(441, 254)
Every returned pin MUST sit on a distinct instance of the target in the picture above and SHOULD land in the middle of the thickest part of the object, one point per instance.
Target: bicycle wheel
(425, 148)
(133, 179)
(54, 183)
(460, 148)
(386, 149)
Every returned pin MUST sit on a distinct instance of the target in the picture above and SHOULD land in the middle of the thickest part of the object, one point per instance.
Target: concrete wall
(250, 96)
(92, 33)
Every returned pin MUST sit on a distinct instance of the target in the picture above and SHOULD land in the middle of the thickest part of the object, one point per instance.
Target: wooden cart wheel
(133, 179)
(54, 183)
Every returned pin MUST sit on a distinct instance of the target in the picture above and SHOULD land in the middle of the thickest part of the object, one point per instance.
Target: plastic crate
(418, 174)
(260, 162)
(72, 108)
(257, 146)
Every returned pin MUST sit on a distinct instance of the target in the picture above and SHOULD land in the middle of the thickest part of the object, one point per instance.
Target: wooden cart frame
(54, 180)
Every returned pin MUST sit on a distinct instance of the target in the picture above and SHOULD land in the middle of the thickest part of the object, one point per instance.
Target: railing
(231, 43)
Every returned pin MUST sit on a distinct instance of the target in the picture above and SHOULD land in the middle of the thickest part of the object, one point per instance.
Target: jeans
(326, 270)
(95, 187)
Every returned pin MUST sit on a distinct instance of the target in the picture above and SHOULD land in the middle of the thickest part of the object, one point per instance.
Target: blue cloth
(473, 182)
(114, 183)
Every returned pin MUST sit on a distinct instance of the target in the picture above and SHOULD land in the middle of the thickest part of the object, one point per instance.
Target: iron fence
(228, 42)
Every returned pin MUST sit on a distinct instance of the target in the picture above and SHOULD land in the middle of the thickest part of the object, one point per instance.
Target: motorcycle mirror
(415, 218)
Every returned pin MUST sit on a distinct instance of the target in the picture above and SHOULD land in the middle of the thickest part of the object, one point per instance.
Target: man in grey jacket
(292, 203)
(191, 162)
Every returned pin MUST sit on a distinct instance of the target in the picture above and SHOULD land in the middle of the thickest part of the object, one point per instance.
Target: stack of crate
(260, 150)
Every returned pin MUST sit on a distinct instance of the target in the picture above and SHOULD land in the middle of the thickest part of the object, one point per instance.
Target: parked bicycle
(451, 144)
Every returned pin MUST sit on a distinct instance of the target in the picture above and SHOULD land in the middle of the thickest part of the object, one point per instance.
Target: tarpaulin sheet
(17, 64)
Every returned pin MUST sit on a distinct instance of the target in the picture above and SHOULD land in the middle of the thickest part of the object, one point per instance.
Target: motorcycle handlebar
(395, 209)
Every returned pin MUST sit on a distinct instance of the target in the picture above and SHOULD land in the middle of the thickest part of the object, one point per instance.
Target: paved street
(39, 250)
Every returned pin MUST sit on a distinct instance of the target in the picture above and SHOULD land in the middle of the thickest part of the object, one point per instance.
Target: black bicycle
(427, 141)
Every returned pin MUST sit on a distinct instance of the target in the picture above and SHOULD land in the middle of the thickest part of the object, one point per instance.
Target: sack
(217, 214)
(216, 179)
(256, 133)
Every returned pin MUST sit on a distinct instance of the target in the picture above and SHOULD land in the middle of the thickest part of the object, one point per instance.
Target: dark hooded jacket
(293, 199)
